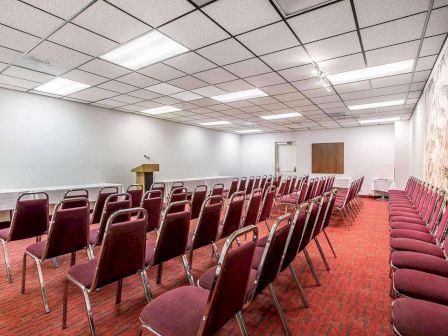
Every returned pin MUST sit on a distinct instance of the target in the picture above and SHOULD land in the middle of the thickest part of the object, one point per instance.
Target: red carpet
(353, 298)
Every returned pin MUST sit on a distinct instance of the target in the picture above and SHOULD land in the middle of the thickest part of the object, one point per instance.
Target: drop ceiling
(233, 45)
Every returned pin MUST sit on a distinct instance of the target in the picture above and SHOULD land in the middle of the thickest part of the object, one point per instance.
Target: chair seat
(413, 220)
(403, 233)
(420, 262)
(410, 226)
(93, 236)
(412, 317)
(37, 249)
(339, 203)
(4, 234)
(149, 253)
(262, 241)
(412, 245)
(289, 200)
(83, 273)
(177, 312)
(257, 257)
(421, 285)
(400, 214)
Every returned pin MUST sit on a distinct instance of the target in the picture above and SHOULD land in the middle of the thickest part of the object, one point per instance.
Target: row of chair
(349, 202)
(419, 265)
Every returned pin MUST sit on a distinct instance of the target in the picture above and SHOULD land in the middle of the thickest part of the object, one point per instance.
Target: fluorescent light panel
(248, 131)
(376, 105)
(161, 110)
(372, 72)
(239, 95)
(379, 120)
(281, 116)
(62, 87)
(215, 123)
(145, 50)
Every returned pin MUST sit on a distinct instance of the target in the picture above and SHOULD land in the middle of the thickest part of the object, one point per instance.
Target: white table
(342, 182)
(191, 182)
(8, 197)
(381, 184)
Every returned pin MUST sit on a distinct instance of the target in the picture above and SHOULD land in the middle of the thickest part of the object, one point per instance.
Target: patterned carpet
(352, 300)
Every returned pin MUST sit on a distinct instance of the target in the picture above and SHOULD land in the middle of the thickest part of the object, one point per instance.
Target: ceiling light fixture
(215, 123)
(376, 105)
(239, 95)
(161, 110)
(372, 72)
(61, 87)
(281, 116)
(323, 78)
(248, 131)
(379, 120)
(145, 50)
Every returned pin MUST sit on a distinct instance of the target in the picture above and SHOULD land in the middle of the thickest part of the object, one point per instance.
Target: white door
(286, 158)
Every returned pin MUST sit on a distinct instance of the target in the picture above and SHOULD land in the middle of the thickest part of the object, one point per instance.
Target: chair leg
(145, 283)
(89, 311)
(55, 263)
(280, 310)
(267, 225)
(65, 305)
(159, 273)
(5, 254)
(322, 254)
(329, 243)
(190, 258)
(187, 270)
(118, 292)
(90, 253)
(299, 286)
(23, 274)
(241, 324)
(310, 264)
(41, 283)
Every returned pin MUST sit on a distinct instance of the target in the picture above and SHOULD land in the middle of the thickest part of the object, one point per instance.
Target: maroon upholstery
(412, 245)
(257, 182)
(103, 194)
(159, 186)
(313, 209)
(217, 190)
(410, 226)
(37, 249)
(411, 317)
(198, 197)
(253, 208)
(136, 192)
(75, 193)
(177, 195)
(233, 187)
(263, 182)
(242, 185)
(232, 219)
(413, 220)
(84, 273)
(268, 202)
(250, 185)
(402, 233)
(420, 262)
(208, 223)
(153, 202)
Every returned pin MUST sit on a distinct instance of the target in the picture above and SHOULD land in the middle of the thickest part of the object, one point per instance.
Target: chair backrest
(320, 188)
(197, 198)
(442, 225)
(123, 250)
(172, 236)
(269, 180)
(152, 202)
(292, 186)
(30, 217)
(250, 185)
(263, 182)
(103, 194)
(303, 191)
(253, 208)
(75, 193)
(233, 187)
(324, 202)
(277, 180)
(176, 185)
(331, 201)
(268, 202)
(232, 218)
(257, 182)
(309, 190)
(159, 186)
(69, 228)
(313, 210)
(242, 185)
(287, 185)
(113, 203)
(217, 190)
(315, 187)
(208, 222)
(228, 291)
(136, 191)
(177, 195)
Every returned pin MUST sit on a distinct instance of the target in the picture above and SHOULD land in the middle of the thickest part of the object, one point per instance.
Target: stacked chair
(348, 202)
(419, 264)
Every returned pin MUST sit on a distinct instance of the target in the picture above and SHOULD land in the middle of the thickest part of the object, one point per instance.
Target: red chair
(122, 255)
(76, 193)
(217, 190)
(152, 202)
(159, 186)
(203, 312)
(176, 185)
(30, 219)
(197, 198)
(263, 182)
(207, 226)
(232, 218)
(292, 186)
(277, 180)
(242, 185)
(257, 182)
(136, 192)
(233, 188)
(253, 208)
(269, 180)
(268, 203)
(103, 194)
(177, 195)
(68, 233)
(250, 185)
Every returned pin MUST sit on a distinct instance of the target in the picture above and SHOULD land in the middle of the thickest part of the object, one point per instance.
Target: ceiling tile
(209, 91)
(8, 55)
(396, 53)
(287, 58)
(215, 76)
(342, 64)
(269, 39)
(194, 30)
(137, 79)
(334, 47)
(391, 80)
(17, 40)
(308, 84)
(391, 90)
(266, 79)
(225, 52)
(248, 68)
(62, 8)
(298, 73)
(189, 63)
(219, 107)
(93, 94)
(52, 58)
(393, 32)
(144, 94)
(432, 45)
(84, 77)
(27, 74)
(110, 22)
(186, 96)
(147, 104)
(166, 100)
(104, 68)
(421, 76)
(117, 87)
(438, 22)
(320, 92)
(236, 85)
(164, 88)
(240, 16)
(109, 103)
(289, 96)
(22, 83)
(279, 89)
(3, 66)
(376, 11)
(188, 83)
(21, 16)
(127, 99)
(154, 12)
(324, 22)
(350, 87)
(161, 72)
(425, 63)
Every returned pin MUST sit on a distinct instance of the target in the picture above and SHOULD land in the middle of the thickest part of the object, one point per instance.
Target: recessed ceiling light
(375, 105)
(379, 120)
(372, 72)
(161, 110)
(215, 123)
(239, 95)
(248, 131)
(281, 116)
(145, 50)
(62, 87)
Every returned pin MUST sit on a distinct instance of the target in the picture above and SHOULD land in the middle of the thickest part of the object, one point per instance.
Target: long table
(191, 182)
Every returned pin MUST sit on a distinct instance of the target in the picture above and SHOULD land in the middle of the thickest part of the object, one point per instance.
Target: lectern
(144, 174)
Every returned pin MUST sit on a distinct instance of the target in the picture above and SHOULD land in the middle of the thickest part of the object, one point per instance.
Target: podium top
(146, 168)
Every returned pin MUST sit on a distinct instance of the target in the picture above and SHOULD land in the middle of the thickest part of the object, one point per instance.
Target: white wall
(417, 139)
(46, 141)
(402, 153)
(369, 151)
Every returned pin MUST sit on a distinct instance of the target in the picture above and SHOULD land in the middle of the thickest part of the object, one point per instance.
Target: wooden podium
(144, 174)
